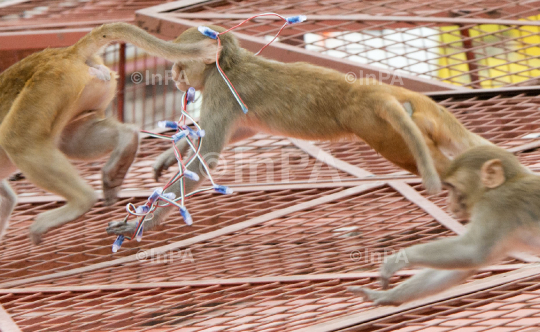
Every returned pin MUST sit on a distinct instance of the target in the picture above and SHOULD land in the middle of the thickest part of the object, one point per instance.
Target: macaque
(501, 198)
(52, 107)
(313, 103)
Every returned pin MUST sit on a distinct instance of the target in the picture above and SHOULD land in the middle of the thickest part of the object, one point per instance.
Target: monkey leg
(45, 166)
(216, 127)
(424, 283)
(8, 199)
(95, 137)
(394, 113)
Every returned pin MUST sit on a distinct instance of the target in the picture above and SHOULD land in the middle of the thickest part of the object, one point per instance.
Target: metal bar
(121, 82)
(361, 17)
(474, 286)
(41, 39)
(58, 25)
(202, 237)
(161, 24)
(6, 323)
(471, 61)
(484, 92)
(327, 158)
(228, 281)
(12, 3)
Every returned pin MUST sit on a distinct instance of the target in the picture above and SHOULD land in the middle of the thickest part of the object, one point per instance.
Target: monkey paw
(101, 72)
(122, 228)
(433, 186)
(36, 231)
(377, 297)
(163, 162)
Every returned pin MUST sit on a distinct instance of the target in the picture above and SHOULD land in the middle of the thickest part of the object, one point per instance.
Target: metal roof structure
(307, 219)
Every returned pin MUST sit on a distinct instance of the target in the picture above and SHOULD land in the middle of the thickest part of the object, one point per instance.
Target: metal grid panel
(433, 40)
(258, 160)
(84, 242)
(349, 235)
(272, 306)
(510, 307)
(51, 13)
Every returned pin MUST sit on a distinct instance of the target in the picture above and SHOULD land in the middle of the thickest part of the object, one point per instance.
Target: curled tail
(107, 33)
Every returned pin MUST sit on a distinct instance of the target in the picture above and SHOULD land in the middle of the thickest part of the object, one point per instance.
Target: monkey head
(475, 172)
(192, 73)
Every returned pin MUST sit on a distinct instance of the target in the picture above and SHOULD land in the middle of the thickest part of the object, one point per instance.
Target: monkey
(500, 197)
(308, 102)
(52, 109)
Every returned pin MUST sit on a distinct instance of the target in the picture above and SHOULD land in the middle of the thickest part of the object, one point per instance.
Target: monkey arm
(422, 284)
(478, 247)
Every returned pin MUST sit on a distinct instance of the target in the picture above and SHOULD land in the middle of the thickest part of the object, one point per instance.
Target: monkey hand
(377, 297)
(163, 162)
(122, 227)
(392, 264)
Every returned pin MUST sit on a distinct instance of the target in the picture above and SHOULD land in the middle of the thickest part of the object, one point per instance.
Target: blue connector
(191, 93)
(142, 209)
(223, 189)
(194, 133)
(117, 243)
(168, 124)
(191, 175)
(179, 135)
(154, 196)
(208, 32)
(295, 19)
(170, 196)
(187, 217)
(138, 237)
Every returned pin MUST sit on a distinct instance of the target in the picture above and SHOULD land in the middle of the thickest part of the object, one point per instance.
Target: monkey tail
(402, 123)
(107, 33)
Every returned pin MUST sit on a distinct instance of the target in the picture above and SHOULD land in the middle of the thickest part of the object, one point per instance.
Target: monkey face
(457, 202)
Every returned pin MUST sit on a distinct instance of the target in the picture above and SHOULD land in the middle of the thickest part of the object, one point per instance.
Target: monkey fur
(52, 107)
(501, 198)
(313, 103)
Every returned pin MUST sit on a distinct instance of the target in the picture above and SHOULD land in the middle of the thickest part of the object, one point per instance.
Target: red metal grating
(84, 242)
(351, 234)
(259, 160)
(513, 306)
(477, 44)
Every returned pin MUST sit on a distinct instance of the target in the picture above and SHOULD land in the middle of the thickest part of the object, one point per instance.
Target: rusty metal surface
(308, 219)
(477, 44)
(258, 160)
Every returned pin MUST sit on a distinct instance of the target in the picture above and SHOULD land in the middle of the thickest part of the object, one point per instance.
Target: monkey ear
(211, 54)
(492, 173)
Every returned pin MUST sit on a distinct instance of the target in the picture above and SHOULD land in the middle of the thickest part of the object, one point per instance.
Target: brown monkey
(502, 199)
(52, 108)
(314, 103)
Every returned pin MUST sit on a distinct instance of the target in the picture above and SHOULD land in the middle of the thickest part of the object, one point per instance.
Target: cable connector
(185, 214)
(168, 124)
(191, 175)
(296, 19)
(117, 243)
(179, 135)
(207, 32)
(194, 133)
(223, 189)
(191, 94)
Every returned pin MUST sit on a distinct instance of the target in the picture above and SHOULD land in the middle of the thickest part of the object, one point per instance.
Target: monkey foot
(101, 72)
(35, 238)
(377, 297)
(122, 228)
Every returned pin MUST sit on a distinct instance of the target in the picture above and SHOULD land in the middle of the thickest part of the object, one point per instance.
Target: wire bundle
(169, 198)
